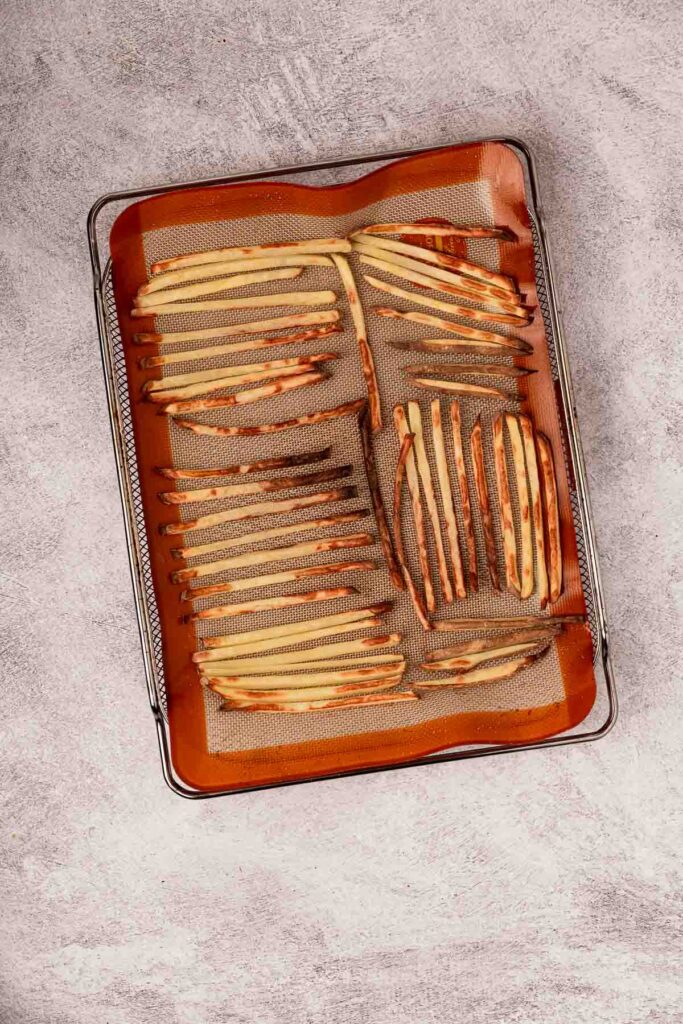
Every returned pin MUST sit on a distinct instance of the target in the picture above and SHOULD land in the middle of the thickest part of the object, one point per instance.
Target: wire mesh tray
(603, 713)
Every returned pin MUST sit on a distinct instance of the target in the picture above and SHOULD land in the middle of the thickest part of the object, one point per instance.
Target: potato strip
(472, 334)
(516, 622)
(389, 662)
(283, 554)
(193, 291)
(314, 693)
(456, 387)
(492, 674)
(536, 509)
(444, 479)
(252, 344)
(366, 644)
(441, 259)
(302, 626)
(552, 515)
(244, 468)
(469, 284)
(346, 409)
(482, 489)
(270, 677)
(323, 705)
(197, 273)
(425, 474)
(271, 579)
(463, 486)
(311, 245)
(278, 483)
(278, 323)
(269, 603)
(365, 431)
(521, 479)
(402, 429)
(468, 661)
(434, 230)
(507, 526)
(305, 526)
(366, 358)
(181, 384)
(467, 312)
(458, 369)
(261, 508)
(249, 395)
(494, 643)
(415, 596)
(265, 379)
(274, 643)
(321, 298)
(514, 310)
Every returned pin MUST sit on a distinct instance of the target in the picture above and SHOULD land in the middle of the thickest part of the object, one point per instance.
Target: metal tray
(603, 715)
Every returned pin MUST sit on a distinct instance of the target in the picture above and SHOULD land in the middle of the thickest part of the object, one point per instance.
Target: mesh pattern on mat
(235, 731)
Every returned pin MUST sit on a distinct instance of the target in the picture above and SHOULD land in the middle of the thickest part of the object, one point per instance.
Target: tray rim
(99, 275)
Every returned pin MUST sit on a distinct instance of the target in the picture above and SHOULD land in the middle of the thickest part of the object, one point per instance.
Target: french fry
(211, 351)
(467, 661)
(482, 489)
(346, 409)
(302, 626)
(283, 554)
(458, 369)
(301, 657)
(456, 387)
(467, 312)
(463, 486)
(180, 384)
(249, 395)
(365, 430)
(532, 634)
(323, 705)
(516, 622)
(470, 284)
(552, 515)
(471, 334)
(434, 230)
(392, 666)
(441, 259)
(447, 499)
(260, 377)
(402, 429)
(274, 643)
(425, 474)
(278, 483)
(269, 603)
(274, 462)
(536, 509)
(366, 359)
(447, 346)
(527, 553)
(271, 678)
(261, 508)
(272, 579)
(194, 291)
(321, 298)
(519, 313)
(314, 693)
(507, 526)
(173, 277)
(415, 596)
(311, 245)
(492, 674)
(243, 539)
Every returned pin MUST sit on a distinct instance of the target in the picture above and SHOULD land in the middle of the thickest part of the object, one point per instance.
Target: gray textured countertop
(540, 888)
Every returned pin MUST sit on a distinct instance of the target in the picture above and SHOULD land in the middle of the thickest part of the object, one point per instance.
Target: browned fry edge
(345, 409)
(461, 472)
(365, 430)
(481, 487)
(415, 596)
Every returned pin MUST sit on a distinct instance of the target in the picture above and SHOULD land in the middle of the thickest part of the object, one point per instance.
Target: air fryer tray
(280, 737)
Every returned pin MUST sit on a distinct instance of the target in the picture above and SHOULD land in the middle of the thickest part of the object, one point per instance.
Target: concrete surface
(541, 888)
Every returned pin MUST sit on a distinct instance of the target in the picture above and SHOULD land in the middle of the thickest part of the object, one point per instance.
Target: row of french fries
(241, 667)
